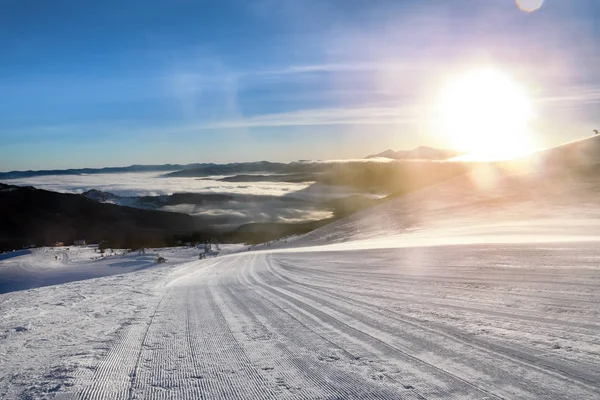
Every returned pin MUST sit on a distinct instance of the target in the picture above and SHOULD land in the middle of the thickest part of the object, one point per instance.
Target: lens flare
(529, 5)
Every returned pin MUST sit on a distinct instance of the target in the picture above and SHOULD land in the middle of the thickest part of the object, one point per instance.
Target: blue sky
(96, 83)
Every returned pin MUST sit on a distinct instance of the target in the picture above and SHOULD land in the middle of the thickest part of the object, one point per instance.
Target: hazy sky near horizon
(88, 84)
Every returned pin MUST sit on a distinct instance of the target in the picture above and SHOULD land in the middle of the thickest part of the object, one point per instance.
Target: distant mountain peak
(389, 153)
(418, 153)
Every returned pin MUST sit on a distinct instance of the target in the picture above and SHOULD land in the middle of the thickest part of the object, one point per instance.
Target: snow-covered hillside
(506, 201)
(485, 287)
(46, 266)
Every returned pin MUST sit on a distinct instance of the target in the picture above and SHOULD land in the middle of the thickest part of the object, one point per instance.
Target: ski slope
(456, 292)
(321, 325)
(467, 321)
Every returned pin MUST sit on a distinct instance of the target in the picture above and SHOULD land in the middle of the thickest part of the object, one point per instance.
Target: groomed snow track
(415, 323)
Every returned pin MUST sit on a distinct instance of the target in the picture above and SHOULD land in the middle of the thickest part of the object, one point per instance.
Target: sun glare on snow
(486, 115)
(529, 5)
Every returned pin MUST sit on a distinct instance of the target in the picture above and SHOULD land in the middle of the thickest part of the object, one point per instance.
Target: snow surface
(459, 291)
(432, 322)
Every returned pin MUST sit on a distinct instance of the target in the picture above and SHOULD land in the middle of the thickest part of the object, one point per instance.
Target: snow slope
(52, 266)
(476, 321)
(460, 291)
(414, 323)
(491, 203)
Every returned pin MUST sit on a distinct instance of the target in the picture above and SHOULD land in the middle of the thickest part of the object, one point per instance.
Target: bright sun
(486, 115)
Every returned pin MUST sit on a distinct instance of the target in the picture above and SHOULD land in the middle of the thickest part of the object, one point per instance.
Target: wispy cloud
(574, 96)
(376, 114)
(339, 67)
(330, 116)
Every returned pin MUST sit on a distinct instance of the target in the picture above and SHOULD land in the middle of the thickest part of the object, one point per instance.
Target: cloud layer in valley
(153, 184)
(279, 202)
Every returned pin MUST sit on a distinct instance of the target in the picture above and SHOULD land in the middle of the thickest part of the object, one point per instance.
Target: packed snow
(421, 322)
(455, 292)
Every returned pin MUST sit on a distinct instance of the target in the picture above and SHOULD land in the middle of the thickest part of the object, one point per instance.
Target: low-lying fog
(240, 203)
(154, 184)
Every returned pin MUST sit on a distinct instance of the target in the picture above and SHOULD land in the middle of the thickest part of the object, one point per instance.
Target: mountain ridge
(418, 153)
